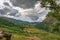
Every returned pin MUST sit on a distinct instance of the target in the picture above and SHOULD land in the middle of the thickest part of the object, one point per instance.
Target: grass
(18, 34)
(28, 31)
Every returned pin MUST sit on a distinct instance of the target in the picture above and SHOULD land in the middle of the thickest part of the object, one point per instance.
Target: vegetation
(49, 29)
(28, 30)
(53, 17)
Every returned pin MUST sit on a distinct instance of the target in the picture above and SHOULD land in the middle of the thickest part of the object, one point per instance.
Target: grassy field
(23, 30)
(18, 34)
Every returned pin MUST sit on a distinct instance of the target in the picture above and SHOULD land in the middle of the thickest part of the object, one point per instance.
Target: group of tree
(54, 8)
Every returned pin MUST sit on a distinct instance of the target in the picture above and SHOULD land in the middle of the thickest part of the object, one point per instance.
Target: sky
(29, 10)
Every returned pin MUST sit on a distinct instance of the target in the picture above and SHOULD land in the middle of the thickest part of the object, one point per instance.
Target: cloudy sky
(26, 10)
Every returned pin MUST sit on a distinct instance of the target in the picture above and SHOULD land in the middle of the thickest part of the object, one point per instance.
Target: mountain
(51, 23)
(12, 21)
(22, 30)
(48, 29)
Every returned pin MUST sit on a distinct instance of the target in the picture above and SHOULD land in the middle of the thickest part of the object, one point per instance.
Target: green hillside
(49, 29)
(21, 32)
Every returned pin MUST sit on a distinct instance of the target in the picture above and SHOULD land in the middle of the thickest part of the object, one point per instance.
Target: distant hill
(49, 29)
(21, 30)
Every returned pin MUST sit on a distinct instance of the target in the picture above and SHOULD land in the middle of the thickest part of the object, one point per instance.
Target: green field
(17, 34)
(20, 31)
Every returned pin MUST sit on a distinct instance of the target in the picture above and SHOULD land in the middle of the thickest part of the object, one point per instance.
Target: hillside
(23, 30)
(37, 10)
(52, 23)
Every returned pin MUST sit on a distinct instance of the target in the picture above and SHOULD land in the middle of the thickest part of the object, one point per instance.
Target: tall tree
(54, 13)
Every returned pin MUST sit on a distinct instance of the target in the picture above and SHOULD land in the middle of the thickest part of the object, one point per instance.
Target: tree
(51, 4)
(55, 13)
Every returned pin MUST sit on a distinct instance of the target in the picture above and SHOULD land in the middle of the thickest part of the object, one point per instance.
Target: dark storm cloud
(24, 3)
(18, 15)
(6, 3)
(33, 17)
(13, 12)
(4, 11)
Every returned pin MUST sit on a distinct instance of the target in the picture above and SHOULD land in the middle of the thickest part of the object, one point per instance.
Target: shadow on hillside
(42, 26)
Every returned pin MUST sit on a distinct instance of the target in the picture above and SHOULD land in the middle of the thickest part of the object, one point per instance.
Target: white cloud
(36, 14)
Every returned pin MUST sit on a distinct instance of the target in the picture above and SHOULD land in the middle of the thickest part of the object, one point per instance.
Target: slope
(20, 32)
